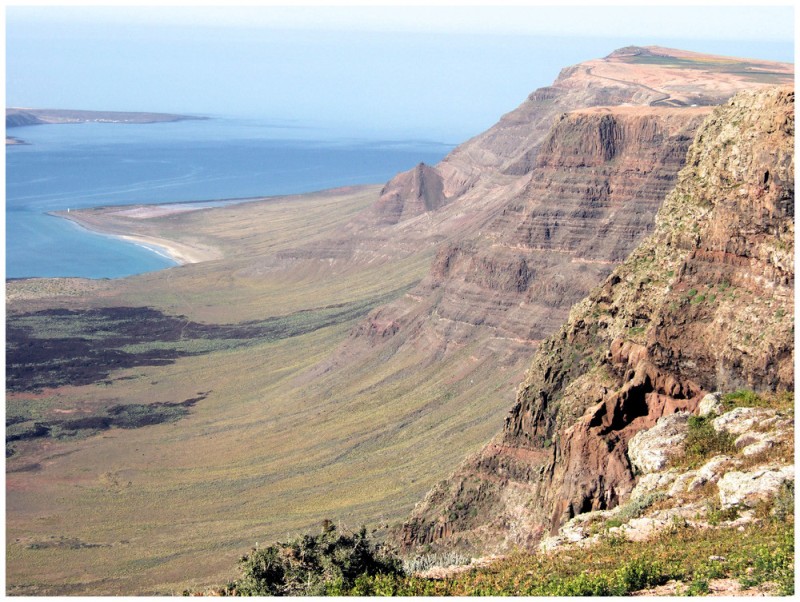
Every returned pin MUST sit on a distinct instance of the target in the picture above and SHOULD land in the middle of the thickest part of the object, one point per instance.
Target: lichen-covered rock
(654, 481)
(640, 529)
(742, 420)
(710, 472)
(576, 530)
(681, 484)
(710, 404)
(650, 450)
(748, 488)
(758, 447)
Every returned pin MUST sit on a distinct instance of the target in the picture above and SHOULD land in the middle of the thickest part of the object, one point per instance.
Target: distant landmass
(18, 117)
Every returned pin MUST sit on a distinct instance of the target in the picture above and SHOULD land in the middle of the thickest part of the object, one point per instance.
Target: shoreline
(179, 253)
(119, 221)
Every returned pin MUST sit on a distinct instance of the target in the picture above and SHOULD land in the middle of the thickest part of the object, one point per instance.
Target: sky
(441, 72)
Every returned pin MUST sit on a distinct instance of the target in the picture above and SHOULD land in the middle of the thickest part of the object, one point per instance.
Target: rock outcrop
(409, 194)
(726, 491)
(704, 304)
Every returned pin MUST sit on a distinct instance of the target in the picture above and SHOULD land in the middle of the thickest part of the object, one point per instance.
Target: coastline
(180, 253)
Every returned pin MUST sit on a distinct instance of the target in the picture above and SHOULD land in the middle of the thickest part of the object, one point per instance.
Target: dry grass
(277, 444)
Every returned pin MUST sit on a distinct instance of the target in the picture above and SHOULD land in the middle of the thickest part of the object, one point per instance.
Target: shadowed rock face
(409, 194)
(704, 304)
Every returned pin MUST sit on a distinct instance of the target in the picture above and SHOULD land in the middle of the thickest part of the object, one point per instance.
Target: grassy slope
(762, 554)
(271, 451)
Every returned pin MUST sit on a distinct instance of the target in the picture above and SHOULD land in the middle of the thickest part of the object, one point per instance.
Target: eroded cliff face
(527, 217)
(639, 76)
(703, 304)
(599, 179)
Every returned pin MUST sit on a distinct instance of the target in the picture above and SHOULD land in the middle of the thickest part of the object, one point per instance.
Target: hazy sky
(444, 72)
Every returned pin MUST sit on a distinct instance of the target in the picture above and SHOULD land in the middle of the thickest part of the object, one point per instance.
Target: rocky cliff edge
(704, 304)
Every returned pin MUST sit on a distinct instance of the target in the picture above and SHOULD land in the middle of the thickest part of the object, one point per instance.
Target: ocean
(98, 164)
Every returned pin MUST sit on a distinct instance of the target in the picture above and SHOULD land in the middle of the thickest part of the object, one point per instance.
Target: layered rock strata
(704, 304)
(597, 183)
(527, 217)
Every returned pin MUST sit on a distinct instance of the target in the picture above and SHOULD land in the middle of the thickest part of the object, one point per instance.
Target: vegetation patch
(127, 416)
(762, 553)
(55, 347)
(635, 508)
(745, 398)
(425, 562)
(334, 564)
(68, 543)
(704, 442)
(328, 563)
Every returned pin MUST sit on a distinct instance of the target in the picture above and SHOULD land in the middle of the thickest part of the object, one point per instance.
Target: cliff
(703, 304)
(598, 180)
(527, 217)
(638, 76)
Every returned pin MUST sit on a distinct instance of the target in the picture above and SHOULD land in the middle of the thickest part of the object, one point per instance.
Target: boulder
(642, 529)
(757, 447)
(710, 404)
(748, 488)
(653, 482)
(742, 420)
(650, 450)
(710, 472)
(681, 484)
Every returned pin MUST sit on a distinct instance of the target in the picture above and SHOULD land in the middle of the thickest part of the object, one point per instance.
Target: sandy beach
(106, 224)
(179, 253)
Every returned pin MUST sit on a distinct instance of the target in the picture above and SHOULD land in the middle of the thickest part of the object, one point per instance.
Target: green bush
(743, 398)
(634, 575)
(635, 508)
(698, 587)
(716, 514)
(639, 574)
(783, 508)
(703, 441)
(331, 562)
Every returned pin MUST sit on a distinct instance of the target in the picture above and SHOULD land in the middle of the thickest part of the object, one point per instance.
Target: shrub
(331, 562)
(634, 575)
(698, 587)
(742, 398)
(716, 514)
(635, 508)
(784, 502)
(703, 441)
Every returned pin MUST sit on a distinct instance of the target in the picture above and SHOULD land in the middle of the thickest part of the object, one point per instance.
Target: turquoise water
(93, 164)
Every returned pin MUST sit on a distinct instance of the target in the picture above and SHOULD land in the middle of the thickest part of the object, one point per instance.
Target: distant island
(18, 117)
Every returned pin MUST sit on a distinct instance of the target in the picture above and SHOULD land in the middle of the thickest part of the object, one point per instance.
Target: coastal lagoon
(97, 164)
